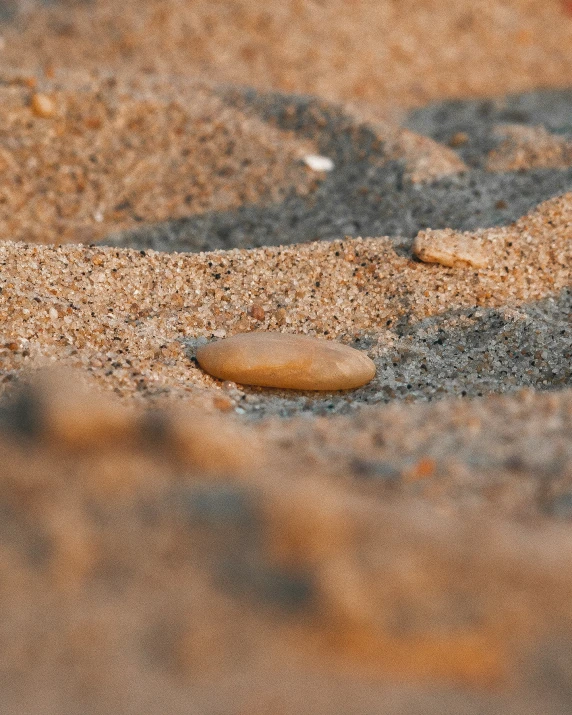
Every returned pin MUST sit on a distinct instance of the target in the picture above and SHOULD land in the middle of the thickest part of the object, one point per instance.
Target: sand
(388, 53)
(174, 543)
(133, 154)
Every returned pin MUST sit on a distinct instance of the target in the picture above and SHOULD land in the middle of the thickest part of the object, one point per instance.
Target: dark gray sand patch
(11, 10)
(8, 10)
(367, 193)
(360, 200)
(338, 135)
(465, 353)
(477, 120)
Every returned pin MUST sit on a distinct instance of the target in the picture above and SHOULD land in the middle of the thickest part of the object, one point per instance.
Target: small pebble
(296, 362)
(43, 106)
(281, 316)
(318, 163)
(458, 139)
(449, 248)
(223, 403)
(257, 311)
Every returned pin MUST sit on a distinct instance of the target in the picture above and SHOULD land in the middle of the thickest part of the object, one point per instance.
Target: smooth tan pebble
(295, 362)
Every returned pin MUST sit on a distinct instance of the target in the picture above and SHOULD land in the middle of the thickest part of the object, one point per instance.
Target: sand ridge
(125, 315)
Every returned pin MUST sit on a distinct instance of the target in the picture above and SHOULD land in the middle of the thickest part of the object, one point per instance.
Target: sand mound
(113, 156)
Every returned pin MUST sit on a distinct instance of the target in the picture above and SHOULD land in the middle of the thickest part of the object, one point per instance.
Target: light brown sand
(384, 52)
(115, 156)
(160, 553)
(527, 148)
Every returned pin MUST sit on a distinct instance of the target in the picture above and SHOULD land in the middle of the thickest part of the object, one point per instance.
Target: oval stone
(295, 362)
